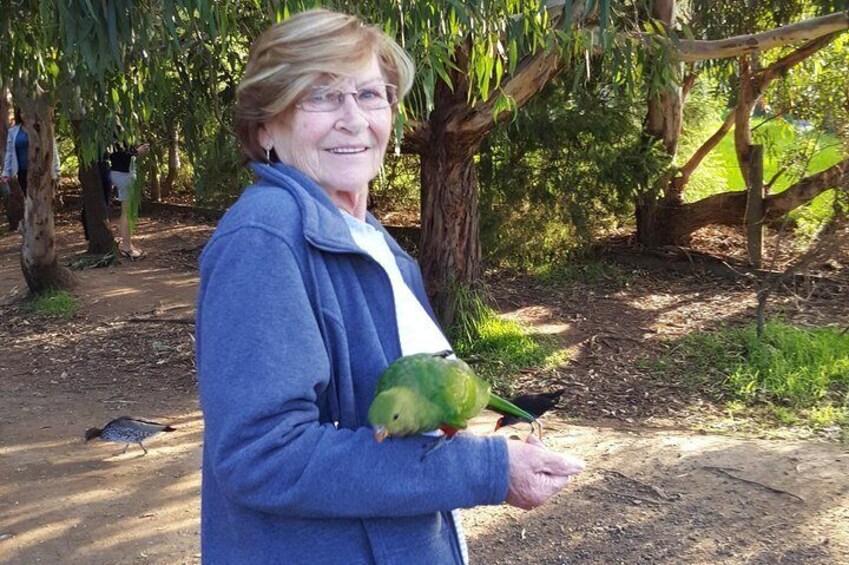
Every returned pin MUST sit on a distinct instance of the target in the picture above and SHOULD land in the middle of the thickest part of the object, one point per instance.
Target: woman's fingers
(537, 473)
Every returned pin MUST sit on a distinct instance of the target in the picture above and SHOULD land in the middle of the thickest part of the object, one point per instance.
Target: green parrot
(422, 392)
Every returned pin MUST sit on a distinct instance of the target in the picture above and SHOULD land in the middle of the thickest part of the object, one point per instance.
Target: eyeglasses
(368, 98)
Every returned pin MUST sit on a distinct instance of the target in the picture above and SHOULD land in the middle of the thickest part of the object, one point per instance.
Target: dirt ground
(670, 477)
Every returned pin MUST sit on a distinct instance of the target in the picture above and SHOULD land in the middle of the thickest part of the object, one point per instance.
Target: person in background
(304, 300)
(122, 175)
(16, 162)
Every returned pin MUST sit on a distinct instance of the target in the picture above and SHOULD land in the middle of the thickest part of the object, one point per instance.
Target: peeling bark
(699, 50)
(39, 262)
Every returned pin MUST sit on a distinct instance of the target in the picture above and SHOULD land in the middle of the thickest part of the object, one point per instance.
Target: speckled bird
(127, 430)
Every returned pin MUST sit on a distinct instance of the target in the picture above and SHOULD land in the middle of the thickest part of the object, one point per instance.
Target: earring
(268, 155)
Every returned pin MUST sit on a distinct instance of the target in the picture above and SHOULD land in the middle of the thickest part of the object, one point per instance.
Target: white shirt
(416, 329)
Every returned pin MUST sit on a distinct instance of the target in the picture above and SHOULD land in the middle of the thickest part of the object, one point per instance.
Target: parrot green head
(398, 412)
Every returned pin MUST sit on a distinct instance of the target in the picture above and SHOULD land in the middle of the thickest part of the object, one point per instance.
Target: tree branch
(777, 205)
(700, 50)
(693, 163)
(728, 208)
(760, 81)
(528, 80)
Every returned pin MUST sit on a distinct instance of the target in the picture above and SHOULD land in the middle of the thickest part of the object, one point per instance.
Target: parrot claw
(434, 445)
(537, 428)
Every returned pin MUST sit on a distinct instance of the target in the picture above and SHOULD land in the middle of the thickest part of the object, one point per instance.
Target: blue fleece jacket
(295, 324)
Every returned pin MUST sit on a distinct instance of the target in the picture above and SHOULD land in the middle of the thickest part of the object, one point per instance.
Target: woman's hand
(536, 472)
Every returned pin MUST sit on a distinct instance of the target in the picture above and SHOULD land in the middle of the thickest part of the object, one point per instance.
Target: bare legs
(126, 246)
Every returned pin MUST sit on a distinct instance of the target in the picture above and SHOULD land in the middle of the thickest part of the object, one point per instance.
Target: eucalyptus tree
(477, 64)
(738, 43)
(103, 63)
(68, 51)
(31, 73)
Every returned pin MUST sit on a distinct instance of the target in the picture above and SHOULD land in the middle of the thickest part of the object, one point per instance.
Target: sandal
(132, 254)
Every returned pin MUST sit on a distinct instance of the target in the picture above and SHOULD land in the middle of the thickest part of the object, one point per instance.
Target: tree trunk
(755, 206)
(39, 262)
(155, 183)
(663, 123)
(450, 240)
(751, 90)
(101, 240)
(173, 161)
(4, 119)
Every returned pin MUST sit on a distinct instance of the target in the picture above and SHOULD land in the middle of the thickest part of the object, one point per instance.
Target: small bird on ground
(127, 430)
(536, 404)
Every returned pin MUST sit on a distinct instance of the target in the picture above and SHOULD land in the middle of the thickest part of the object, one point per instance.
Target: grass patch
(590, 273)
(55, 304)
(496, 348)
(800, 374)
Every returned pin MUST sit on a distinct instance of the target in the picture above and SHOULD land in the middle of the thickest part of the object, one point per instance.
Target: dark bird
(127, 430)
(537, 404)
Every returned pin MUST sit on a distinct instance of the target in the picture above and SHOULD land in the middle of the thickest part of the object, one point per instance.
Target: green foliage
(801, 373)
(794, 151)
(397, 186)
(498, 348)
(815, 90)
(703, 114)
(57, 303)
(220, 175)
(569, 167)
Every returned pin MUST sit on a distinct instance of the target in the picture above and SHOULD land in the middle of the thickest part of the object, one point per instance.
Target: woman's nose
(353, 117)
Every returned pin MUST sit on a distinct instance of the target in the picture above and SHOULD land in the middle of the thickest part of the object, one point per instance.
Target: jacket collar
(323, 223)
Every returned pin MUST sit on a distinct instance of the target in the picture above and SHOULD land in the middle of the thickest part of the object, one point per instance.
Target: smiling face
(341, 150)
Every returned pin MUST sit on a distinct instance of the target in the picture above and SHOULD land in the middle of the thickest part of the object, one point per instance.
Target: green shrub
(565, 170)
(587, 272)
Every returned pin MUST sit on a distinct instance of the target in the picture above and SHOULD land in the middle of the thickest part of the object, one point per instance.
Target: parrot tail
(507, 408)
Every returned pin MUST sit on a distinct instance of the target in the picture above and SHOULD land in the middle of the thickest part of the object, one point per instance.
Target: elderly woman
(304, 301)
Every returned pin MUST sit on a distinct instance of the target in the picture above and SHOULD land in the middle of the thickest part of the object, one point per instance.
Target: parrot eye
(395, 417)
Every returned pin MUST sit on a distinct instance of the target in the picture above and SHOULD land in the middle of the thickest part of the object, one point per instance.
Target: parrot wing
(449, 384)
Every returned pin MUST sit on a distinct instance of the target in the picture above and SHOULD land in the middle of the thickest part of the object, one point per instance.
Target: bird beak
(380, 433)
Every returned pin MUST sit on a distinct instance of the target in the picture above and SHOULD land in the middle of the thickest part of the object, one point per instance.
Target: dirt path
(650, 494)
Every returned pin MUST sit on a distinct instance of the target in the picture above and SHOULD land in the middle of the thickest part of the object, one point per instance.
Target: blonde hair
(290, 57)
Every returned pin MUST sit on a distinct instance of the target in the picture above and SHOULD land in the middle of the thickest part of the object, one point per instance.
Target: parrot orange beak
(380, 433)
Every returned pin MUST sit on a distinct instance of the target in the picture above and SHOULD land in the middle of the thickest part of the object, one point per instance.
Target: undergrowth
(800, 375)
(496, 348)
(55, 303)
(589, 273)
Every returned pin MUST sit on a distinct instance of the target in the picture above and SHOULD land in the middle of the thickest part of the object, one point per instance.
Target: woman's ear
(264, 138)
